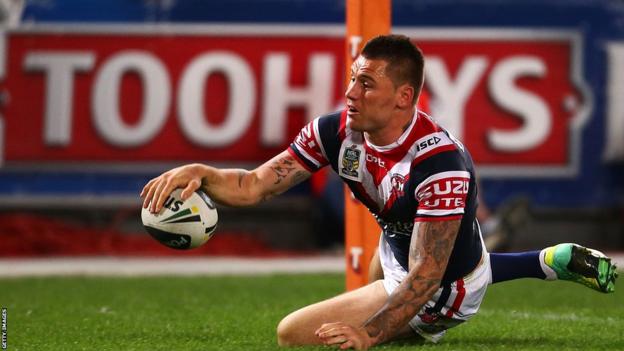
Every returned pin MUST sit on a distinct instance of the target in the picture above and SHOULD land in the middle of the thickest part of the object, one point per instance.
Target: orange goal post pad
(365, 20)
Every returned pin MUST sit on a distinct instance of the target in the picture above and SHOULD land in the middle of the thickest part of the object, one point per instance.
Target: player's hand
(156, 191)
(344, 336)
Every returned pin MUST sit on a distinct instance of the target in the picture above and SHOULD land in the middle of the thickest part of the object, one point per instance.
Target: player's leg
(353, 307)
(375, 271)
(564, 261)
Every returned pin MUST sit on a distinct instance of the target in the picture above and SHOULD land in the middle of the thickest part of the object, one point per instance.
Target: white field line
(116, 266)
(146, 266)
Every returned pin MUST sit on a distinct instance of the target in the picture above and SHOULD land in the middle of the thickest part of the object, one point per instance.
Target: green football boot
(582, 265)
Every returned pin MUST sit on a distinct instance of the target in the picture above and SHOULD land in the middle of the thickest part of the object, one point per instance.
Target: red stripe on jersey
(299, 160)
(461, 292)
(396, 191)
(389, 203)
(416, 133)
(342, 131)
(439, 218)
(424, 126)
(427, 125)
(377, 164)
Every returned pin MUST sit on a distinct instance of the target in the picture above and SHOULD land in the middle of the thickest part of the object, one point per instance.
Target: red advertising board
(115, 109)
(164, 94)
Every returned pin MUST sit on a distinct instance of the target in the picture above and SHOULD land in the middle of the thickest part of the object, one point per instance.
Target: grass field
(240, 313)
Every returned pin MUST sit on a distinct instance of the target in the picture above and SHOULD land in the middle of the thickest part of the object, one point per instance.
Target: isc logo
(429, 142)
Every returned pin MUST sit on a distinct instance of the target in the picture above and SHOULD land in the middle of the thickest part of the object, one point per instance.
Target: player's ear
(405, 96)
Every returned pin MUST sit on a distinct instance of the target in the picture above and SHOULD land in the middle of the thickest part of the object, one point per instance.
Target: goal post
(365, 19)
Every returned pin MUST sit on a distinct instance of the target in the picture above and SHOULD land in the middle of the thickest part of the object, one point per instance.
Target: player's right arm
(232, 187)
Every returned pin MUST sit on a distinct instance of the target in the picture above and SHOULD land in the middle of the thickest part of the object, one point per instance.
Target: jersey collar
(398, 142)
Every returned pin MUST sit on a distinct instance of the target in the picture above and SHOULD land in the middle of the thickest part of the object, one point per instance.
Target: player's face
(371, 96)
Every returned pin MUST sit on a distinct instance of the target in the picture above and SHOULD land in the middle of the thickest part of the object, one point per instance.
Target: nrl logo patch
(351, 161)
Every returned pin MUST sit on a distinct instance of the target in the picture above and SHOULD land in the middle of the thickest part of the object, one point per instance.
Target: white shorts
(449, 306)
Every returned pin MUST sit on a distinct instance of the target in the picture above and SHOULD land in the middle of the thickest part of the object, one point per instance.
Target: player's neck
(393, 131)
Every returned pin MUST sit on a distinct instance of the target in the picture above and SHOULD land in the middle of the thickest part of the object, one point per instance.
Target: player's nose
(351, 92)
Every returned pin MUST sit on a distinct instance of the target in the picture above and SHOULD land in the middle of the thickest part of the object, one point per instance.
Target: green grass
(240, 313)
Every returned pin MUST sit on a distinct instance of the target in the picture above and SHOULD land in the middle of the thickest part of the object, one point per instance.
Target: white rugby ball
(182, 224)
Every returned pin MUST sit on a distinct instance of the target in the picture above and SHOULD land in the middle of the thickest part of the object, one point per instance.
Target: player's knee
(286, 333)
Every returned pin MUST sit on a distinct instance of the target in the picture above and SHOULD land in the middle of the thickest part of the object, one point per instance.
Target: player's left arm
(430, 248)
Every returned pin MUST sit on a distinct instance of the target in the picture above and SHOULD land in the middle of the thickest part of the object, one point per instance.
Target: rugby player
(431, 269)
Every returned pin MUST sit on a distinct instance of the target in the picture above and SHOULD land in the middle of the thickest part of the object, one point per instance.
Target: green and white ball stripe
(182, 224)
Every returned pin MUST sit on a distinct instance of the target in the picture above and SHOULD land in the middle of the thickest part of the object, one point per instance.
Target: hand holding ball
(182, 224)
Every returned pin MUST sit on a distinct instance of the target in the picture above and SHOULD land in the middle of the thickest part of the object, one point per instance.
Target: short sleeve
(442, 196)
(307, 147)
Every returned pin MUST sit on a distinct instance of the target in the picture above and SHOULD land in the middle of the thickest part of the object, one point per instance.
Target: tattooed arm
(430, 249)
(232, 187)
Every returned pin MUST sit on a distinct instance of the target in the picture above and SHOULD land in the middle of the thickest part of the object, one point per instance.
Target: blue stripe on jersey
(444, 296)
(303, 160)
(328, 134)
(329, 128)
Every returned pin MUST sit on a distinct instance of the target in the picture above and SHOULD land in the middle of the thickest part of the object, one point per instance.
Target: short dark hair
(406, 62)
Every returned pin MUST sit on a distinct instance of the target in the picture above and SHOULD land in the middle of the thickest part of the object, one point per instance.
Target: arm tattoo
(434, 240)
(299, 177)
(430, 249)
(296, 179)
(282, 168)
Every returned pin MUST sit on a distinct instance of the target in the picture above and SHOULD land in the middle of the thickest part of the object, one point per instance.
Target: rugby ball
(182, 224)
